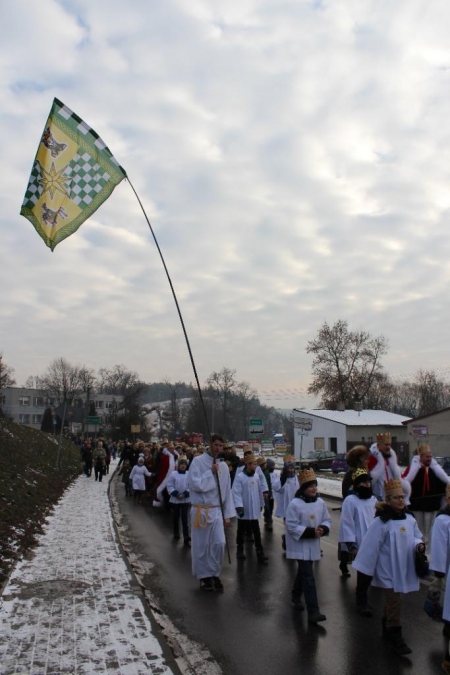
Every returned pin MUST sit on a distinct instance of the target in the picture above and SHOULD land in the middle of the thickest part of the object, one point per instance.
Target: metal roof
(354, 418)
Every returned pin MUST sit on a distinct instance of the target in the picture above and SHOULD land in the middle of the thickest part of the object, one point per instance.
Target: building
(339, 430)
(27, 406)
(433, 429)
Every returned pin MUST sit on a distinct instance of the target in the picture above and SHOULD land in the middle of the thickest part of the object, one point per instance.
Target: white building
(339, 430)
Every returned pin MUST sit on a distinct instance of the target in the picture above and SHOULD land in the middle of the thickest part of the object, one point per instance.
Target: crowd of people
(390, 519)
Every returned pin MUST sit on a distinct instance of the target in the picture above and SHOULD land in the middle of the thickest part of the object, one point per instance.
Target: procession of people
(389, 522)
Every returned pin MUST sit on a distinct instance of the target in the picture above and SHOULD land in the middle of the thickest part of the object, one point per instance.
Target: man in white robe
(207, 526)
(440, 564)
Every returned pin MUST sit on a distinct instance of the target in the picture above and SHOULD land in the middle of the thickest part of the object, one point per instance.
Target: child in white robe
(248, 496)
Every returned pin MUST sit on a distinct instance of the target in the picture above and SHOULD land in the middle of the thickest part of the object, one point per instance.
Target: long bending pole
(200, 393)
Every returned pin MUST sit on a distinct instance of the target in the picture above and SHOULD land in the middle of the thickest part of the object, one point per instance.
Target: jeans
(244, 526)
(305, 584)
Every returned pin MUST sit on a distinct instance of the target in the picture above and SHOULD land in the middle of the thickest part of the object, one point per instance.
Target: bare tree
(6, 375)
(345, 363)
(62, 381)
(223, 385)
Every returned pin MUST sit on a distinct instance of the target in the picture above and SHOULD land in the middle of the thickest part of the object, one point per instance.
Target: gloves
(240, 511)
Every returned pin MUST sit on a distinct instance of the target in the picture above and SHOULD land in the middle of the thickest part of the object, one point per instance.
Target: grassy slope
(29, 486)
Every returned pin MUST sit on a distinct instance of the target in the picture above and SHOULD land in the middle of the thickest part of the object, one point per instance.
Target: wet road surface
(252, 628)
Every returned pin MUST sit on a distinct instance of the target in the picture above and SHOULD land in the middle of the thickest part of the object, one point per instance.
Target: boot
(395, 637)
(240, 555)
(316, 617)
(362, 606)
(344, 570)
(262, 558)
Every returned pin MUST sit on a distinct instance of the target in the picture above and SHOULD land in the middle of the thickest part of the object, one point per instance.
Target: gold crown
(360, 472)
(423, 448)
(261, 461)
(288, 458)
(393, 488)
(182, 458)
(248, 459)
(384, 438)
(306, 476)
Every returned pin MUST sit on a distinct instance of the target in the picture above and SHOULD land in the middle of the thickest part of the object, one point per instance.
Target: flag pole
(190, 356)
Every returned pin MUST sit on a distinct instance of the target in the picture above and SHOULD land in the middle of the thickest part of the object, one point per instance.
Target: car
(318, 459)
(339, 463)
(445, 463)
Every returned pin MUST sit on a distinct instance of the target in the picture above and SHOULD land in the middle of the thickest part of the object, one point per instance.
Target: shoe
(317, 617)
(217, 584)
(187, 543)
(395, 637)
(446, 666)
(206, 584)
(364, 608)
(298, 604)
(240, 555)
(344, 570)
(262, 558)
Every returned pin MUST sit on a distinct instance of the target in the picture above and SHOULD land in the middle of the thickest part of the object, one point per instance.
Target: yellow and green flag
(72, 175)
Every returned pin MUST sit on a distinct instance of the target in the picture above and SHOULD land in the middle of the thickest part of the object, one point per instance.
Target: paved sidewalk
(74, 607)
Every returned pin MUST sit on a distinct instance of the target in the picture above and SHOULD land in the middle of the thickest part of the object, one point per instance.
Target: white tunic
(137, 476)
(259, 473)
(299, 516)
(178, 482)
(248, 494)
(357, 514)
(387, 553)
(285, 494)
(440, 555)
(207, 531)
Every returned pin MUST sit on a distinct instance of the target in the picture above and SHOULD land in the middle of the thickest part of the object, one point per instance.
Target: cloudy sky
(293, 158)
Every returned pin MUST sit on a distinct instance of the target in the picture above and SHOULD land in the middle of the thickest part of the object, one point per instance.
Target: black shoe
(316, 617)
(262, 558)
(206, 584)
(187, 543)
(344, 570)
(298, 604)
(240, 555)
(217, 584)
(364, 608)
(395, 637)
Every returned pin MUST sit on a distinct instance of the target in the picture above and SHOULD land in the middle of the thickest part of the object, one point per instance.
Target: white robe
(137, 476)
(299, 516)
(440, 555)
(248, 494)
(259, 473)
(387, 553)
(207, 531)
(285, 494)
(178, 482)
(357, 515)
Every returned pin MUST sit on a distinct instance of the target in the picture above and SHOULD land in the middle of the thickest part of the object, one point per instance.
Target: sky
(292, 157)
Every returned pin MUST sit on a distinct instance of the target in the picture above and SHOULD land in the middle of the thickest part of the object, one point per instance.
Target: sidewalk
(74, 607)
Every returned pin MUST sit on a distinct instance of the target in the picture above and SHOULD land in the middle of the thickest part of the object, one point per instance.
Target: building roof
(422, 417)
(355, 418)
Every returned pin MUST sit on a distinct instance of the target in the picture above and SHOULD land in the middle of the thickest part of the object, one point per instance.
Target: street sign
(256, 427)
(91, 419)
(304, 423)
(135, 428)
(420, 431)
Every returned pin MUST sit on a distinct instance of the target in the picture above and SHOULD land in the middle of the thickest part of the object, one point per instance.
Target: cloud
(293, 162)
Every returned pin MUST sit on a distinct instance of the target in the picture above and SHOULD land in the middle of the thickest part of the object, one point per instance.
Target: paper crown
(248, 459)
(423, 448)
(182, 458)
(306, 476)
(261, 461)
(360, 474)
(393, 488)
(384, 438)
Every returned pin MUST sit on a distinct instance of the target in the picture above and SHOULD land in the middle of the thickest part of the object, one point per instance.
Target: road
(252, 628)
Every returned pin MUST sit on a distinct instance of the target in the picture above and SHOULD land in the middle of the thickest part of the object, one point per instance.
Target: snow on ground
(72, 607)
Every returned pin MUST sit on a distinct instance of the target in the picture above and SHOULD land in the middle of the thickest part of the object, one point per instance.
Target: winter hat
(141, 460)
(271, 464)
(356, 456)
(182, 460)
(289, 462)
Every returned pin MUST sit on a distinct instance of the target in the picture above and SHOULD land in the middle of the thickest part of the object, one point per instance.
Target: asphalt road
(252, 628)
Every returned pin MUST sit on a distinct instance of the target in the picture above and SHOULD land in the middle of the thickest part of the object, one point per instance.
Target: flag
(72, 175)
